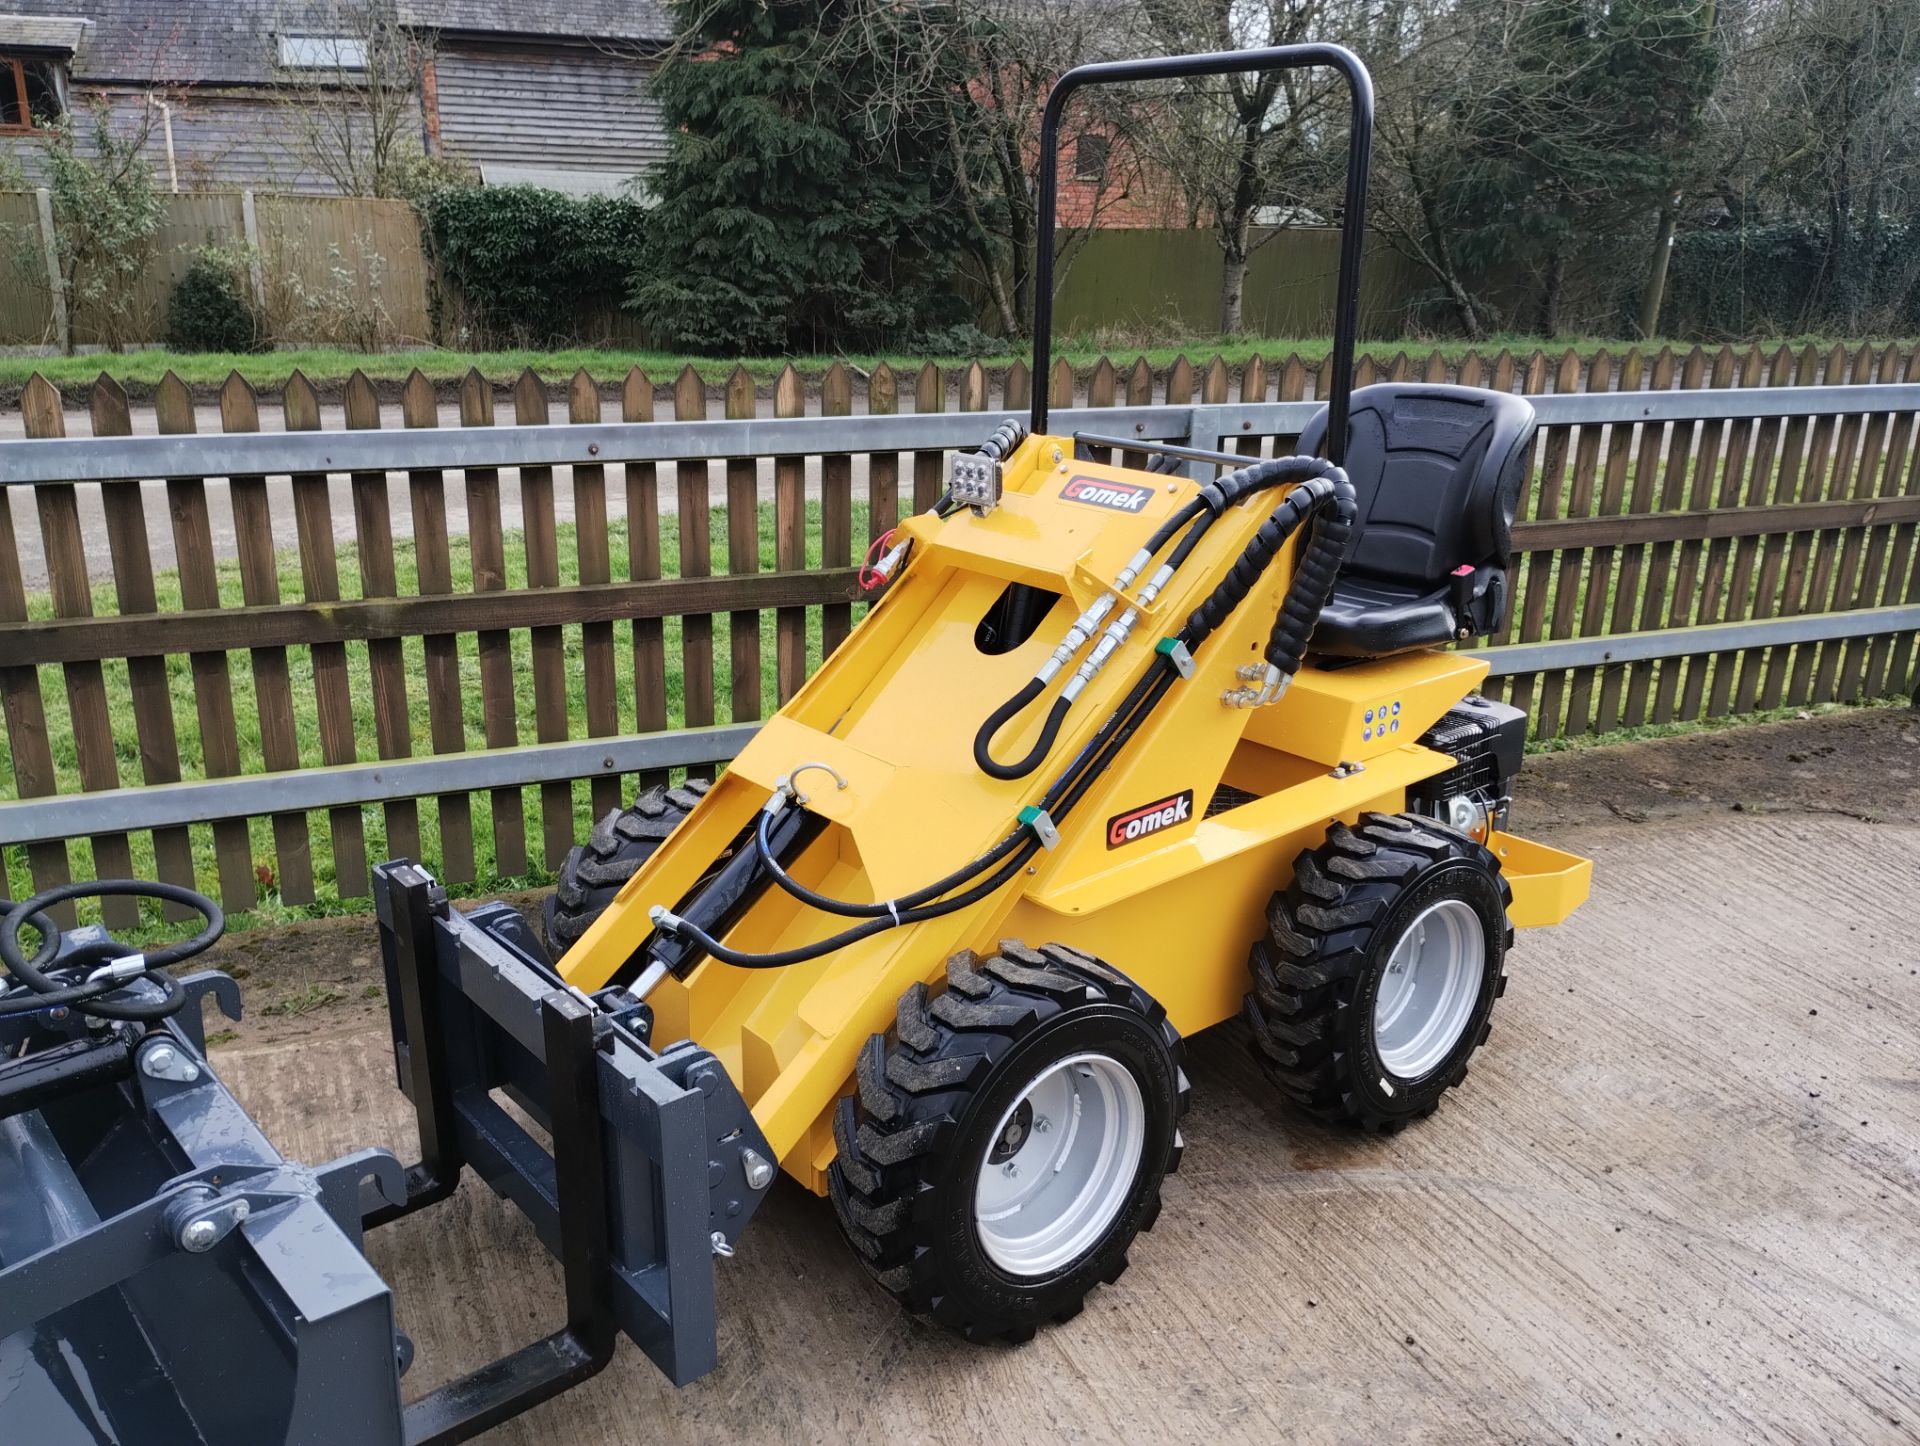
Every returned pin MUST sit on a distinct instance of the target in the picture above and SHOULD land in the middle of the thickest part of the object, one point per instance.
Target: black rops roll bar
(1346, 312)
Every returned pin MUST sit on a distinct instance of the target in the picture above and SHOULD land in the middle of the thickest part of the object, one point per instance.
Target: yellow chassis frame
(894, 711)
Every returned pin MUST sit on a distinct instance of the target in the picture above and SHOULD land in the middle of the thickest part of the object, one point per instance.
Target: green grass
(141, 370)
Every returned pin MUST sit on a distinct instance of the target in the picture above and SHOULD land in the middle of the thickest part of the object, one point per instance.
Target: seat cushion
(1367, 618)
(1437, 474)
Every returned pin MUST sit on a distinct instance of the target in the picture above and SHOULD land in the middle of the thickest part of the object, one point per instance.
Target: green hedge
(1772, 280)
(519, 264)
(208, 310)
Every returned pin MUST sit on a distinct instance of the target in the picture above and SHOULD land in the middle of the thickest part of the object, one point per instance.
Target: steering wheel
(92, 995)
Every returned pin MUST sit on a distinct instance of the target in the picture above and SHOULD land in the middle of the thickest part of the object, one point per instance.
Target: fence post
(56, 287)
(250, 225)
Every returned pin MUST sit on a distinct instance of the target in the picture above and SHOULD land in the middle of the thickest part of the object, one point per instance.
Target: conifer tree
(790, 215)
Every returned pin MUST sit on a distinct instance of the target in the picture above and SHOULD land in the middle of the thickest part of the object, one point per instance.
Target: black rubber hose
(1311, 495)
(82, 996)
(1042, 746)
(983, 757)
(1186, 545)
(998, 719)
(850, 910)
(51, 993)
(1182, 515)
(1005, 441)
(1321, 556)
(49, 933)
(1067, 790)
(802, 953)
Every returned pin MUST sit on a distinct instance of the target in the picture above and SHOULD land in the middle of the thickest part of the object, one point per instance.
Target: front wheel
(1007, 1142)
(1379, 972)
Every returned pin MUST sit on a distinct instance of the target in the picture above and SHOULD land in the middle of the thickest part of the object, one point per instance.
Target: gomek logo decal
(1119, 496)
(1136, 823)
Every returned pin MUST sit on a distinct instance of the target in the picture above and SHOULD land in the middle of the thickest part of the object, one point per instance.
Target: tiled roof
(34, 32)
(232, 42)
(584, 19)
(180, 40)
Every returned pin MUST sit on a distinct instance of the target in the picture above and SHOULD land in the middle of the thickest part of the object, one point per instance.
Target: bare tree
(1821, 122)
(975, 74)
(1430, 66)
(1239, 144)
(353, 76)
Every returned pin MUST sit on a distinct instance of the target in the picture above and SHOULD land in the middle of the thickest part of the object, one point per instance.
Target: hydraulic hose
(89, 996)
(1200, 511)
(1330, 491)
(846, 908)
(1313, 578)
(1005, 441)
(1004, 714)
(800, 954)
(1324, 494)
(1066, 790)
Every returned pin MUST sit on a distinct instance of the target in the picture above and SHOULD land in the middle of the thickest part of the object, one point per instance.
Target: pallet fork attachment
(653, 1160)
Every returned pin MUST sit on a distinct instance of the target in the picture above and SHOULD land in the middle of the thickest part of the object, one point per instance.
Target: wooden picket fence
(1629, 529)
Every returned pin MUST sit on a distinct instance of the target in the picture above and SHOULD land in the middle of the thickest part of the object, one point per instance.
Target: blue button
(1396, 725)
(1366, 734)
(1396, 712)
(1369, 717)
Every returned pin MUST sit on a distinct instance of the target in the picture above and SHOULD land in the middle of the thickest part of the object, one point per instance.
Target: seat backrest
(1438, 472)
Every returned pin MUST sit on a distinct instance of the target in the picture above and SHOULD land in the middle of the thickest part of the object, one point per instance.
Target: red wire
(868, 578)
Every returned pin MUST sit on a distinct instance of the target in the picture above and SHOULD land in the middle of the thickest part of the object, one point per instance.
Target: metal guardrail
(77, 815)
(161, 805)
(254, 454)
(24, 463)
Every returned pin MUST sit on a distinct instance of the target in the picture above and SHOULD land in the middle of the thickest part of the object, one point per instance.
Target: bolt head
(1041, 1124)
(759, 1169)
(200, 1235)
(1010, 1170)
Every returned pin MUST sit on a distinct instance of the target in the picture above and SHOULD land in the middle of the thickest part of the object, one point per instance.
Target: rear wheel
(1378, 976)
(593, 872)
(1008, 1141)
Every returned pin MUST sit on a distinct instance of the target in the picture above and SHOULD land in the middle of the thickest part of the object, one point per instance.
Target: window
(1090, 158)
(322, 52)
(33, 90)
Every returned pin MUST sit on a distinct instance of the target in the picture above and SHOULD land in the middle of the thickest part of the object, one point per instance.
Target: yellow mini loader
(947, 946)
(1119, 753)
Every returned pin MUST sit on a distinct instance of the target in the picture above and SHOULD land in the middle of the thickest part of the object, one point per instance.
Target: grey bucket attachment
(167, 1278)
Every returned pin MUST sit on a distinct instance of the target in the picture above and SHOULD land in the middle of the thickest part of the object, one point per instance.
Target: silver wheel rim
(1429, 989)
(1060, 1164)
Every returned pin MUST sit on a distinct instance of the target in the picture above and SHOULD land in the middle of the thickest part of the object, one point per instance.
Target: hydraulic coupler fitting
(1110, 641)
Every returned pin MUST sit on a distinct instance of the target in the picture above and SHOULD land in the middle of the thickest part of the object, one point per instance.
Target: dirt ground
(1676, 1201)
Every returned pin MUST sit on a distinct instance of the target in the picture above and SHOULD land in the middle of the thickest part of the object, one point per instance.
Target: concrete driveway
(1678, 1200)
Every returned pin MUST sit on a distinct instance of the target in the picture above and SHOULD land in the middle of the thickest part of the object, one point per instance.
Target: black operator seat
(1438, 472)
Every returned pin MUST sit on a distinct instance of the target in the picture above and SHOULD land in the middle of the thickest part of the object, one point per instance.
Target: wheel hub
(1062, 1162)
(1429, 988)
(1013, 1134)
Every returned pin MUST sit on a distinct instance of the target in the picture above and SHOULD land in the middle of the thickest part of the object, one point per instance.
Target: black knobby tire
(913, 1140)
(621, 841)
(1331, 934)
